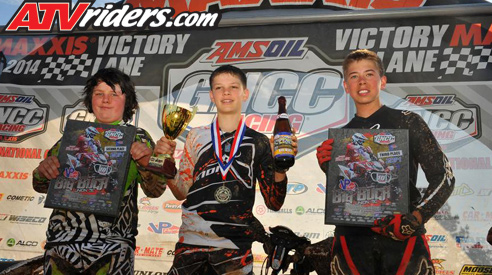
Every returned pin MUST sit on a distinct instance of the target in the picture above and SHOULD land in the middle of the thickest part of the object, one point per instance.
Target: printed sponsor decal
(172, 206)
(469, 269)
(296, 188)
(453, 122)
(148, 272)
(13, 175)
(261, 209)
(20, 198)
(384, 139)
(41, 16)
(251, 50)
(12, 242)
(163, 228)
(149, 251)
(23, 153)
(439, 268)
(300, 210)
(462, 190)
(478, 216)
(145, 205)
(309, 235)
(321, 188)
(436, 240)
(21, 117)
(470, 163)
(470, 242)
(23, 219)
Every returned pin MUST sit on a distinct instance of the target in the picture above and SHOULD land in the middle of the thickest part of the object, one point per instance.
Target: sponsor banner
(222, 5)
(437, 67)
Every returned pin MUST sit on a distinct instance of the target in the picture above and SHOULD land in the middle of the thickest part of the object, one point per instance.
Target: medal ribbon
(217, 144)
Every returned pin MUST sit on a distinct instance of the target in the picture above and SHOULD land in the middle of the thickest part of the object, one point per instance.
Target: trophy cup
(174, 122)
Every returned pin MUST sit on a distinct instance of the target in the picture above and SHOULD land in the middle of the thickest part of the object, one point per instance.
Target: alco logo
(21, 117)
(313, 94)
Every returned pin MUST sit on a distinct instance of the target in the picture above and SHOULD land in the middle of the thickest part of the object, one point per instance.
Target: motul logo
(41, 17)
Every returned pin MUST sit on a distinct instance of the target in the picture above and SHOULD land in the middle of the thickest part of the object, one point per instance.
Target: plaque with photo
(367, 176)
(94, 160)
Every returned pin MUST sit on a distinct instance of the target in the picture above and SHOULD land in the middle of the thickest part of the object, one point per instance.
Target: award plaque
(367, 176)
(174, 122)
(94, 160)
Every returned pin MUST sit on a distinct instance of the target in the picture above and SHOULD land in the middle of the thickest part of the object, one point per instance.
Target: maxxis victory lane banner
(438, 67)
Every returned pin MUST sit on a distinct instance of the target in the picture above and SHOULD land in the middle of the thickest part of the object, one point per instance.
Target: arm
(46, 170)
(184, 180)
(436, 167)
(153, 184)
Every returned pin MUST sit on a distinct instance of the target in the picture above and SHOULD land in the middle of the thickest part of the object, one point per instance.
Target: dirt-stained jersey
(217, 212)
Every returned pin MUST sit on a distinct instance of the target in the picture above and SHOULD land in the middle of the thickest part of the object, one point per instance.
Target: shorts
(377, 254)
(105, 258)
(194, 260)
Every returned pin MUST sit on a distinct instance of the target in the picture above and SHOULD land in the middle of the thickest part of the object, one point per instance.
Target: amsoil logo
(21, 117)
(245, 50)
(311, 93)
(453, 122)
(41, 16)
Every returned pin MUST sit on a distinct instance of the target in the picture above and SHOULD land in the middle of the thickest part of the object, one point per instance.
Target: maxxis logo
(21, 117)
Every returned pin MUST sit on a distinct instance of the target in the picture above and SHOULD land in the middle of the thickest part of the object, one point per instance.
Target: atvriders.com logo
(41, 17)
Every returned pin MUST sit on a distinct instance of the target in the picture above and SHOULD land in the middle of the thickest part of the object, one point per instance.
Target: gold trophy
(174, 122)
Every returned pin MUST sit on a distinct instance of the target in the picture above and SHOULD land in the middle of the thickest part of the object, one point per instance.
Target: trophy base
(162, 164)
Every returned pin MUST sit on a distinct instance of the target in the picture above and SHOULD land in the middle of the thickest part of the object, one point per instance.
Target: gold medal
(223, 194)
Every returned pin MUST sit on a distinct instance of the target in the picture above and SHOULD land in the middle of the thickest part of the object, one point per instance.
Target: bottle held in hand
(283, 152)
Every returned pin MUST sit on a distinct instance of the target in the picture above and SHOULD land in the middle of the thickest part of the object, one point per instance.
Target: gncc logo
(21, 117)
(453, 122)
(310, 93)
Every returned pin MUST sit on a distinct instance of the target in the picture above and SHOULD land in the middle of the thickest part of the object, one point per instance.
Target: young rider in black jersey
(217, 176)
(84, 243)
(395, 244)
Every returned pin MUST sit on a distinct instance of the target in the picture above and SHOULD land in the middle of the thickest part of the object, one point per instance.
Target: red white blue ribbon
(217, 144)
